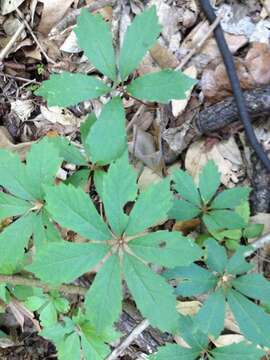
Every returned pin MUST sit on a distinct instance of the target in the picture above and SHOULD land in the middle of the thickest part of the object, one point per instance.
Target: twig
(20, 79)
(128, 340)
(70, 19)
(34, 37)
(135, 117)
(20, 280)
(5, 51)
(258, 244)
(201, 43)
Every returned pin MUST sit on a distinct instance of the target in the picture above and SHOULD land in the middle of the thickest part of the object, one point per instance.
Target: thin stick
(20, 79)
(5, 51)
(201, 43)
(128, 340)
(20, 280)
(258, 244)
(34, 37)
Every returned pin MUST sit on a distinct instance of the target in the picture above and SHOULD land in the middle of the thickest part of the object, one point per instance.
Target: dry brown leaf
(164, 57)
(188, 307)
(148, 177)
(23, 108)
(225, 154)
(59, 115)
(257, 62)
(7, 6)
(52, 13)
(230, 339)
(6, 143)
(178, 106)
(186, 226)
(20, 313)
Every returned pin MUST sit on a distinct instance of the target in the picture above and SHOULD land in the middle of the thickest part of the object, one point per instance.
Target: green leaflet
(237, 264)
(191, 333)
(183, 210)
(95, 38)
(13, 175)
(175, 352)
(161, 86)
(152, 294)
(151, 207)
(94, 349)
(44, 230)
(12, 206)
(229, 199)
(13, 240)
(79, 178)
(107, 138)
(216, 256)
(209, 181)
(254, 286)
(99, 176)
(184, 185)
(85, 129)
(64, 262)
(68, 151)
(253, 230)
(73, 209)
(43, 162)
(210, 318)
(196, 280)
(253, 321)
(140, 37)
(238, 351)
(69, 348)
(223, 219)
(119, 187)
(103, 300)
(165, 248)
(69, 89)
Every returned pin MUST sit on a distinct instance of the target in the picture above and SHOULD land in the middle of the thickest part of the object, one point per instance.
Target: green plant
(200, 346)
(123, 241)
(226, 280)
(225, 215)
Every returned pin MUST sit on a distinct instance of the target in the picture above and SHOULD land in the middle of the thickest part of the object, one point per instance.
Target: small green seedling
(199, 346)
(217, 212)
(227, 281)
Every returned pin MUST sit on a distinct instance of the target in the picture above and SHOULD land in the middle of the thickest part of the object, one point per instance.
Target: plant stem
(20, 280)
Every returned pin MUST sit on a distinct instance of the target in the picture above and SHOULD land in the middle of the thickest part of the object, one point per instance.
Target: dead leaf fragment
(7, 6)
(229, 339)
(188, 307)
(257, 62)
(52, 13)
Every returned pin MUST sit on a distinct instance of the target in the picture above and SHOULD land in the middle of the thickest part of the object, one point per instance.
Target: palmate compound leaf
(119, 187)
(254, 286)
(12, 206)
(13, 175)
(42, 164)
(166, 248)
(140, 37)
(69, 89)
(107, 138)
(240, 351)
(13, 240)
(95, 38)
(161, 86)
(153, 296)
(63, 262)
(72, 208)
(175, 352)
(254, 323)
(150, 208)
(209, 181)
(210, 318)
(103, 300)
